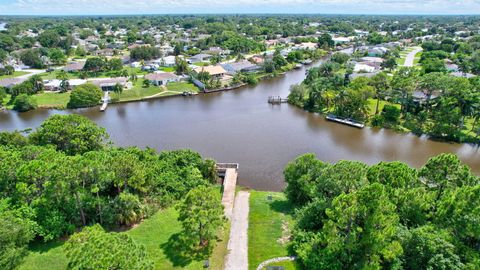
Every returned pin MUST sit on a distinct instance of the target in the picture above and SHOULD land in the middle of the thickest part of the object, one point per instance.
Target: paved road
(237, 258)
(411, 57)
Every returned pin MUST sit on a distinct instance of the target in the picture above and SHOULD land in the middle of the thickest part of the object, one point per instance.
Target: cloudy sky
(82, 7)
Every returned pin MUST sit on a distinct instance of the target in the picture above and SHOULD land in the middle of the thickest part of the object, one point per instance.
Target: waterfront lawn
(182, 87)
(372, 103)
(138, 92)
(52, 100)
(15, 74)
(157, 234)
(268, 227)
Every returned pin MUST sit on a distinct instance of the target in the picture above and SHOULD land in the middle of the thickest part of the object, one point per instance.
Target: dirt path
(411, 57)
(237, 258)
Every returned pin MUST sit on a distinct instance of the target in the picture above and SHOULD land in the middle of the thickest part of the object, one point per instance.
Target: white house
(361, 67)
(162, 78)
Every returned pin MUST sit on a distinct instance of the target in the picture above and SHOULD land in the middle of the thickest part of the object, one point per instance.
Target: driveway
(237, 258)
(411, 57)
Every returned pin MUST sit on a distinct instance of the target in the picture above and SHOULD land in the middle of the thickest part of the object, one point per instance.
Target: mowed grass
(269, 227)
(182, 87)
(15, 74)
(138, 92)
(372, 103)
(52, 100)
(157, 234)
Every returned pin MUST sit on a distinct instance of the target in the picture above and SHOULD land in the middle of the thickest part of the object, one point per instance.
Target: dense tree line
(447, 107)
(386, 216)
(65, 175)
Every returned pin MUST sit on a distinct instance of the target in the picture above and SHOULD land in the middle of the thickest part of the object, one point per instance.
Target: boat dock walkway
(277, 100)
(229, 172)
(105, 100)
(345, 121)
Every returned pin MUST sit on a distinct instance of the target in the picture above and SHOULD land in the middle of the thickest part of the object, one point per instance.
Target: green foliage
(16, 231)
(386, 216)
(93, 248)
(301, 177)
(144, 53)
(72, 134)
(95, 64)
(340, 58)
(201, 214)
(325, 41)
(428, 248)
(85, 95)
(359, 232)
(83, 182)
(24, 102)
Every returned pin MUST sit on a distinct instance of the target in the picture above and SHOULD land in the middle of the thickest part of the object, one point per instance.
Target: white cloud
(238, 6)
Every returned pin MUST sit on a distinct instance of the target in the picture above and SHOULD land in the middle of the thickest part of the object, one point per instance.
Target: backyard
(269, 227)
(158, 234)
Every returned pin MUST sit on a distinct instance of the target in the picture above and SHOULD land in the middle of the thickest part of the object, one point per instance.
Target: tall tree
(93, 248)
(201, 214)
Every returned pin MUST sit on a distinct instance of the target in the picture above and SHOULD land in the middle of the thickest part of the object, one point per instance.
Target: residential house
(214, 71)
(364, 67)
(104, 52)
(377, 51)
(74, 66)
(363, 74)
(257, 59)
(217, 50)
(54, 85)
(162, 78)
(201, 57)
(109, 83)
(340, 40)
(241, 66)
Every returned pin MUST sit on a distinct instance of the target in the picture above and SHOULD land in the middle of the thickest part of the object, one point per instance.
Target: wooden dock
(229, 172)
(345, 121)
(277, 100)
(105, 100)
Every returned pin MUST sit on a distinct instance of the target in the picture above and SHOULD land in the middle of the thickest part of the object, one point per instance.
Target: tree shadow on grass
(42, 247)
(179, 252)
(281, 206)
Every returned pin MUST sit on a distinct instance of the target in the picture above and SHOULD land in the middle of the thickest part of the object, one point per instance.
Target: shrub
(24, 102)
(86, 95)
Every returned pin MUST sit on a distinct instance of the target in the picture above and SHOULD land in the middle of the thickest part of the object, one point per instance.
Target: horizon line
(238, 13)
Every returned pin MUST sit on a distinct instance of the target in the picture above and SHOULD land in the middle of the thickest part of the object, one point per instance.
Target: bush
(391, 114)
(86, 95)
(24, 102)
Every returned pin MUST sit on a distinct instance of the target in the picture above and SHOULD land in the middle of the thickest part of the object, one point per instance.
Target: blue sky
(86, 7)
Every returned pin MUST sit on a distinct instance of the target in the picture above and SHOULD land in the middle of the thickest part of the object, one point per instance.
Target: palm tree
(380, 84)
(37, 83)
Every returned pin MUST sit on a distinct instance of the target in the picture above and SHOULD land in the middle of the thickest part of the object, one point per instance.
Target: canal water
(240, 126)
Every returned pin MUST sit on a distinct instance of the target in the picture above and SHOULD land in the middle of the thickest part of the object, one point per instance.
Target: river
(240, 126)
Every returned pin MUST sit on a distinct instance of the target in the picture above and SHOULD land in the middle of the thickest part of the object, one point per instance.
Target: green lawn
(15, 74)
(417, 58)
(157, 234)
(182, 87)
(372, 103)
(268, 228)
(201, 64)
(57, 100)
(167, 69)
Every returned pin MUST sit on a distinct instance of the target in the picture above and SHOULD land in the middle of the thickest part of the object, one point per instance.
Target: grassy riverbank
(158, 234)
(269, 227)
